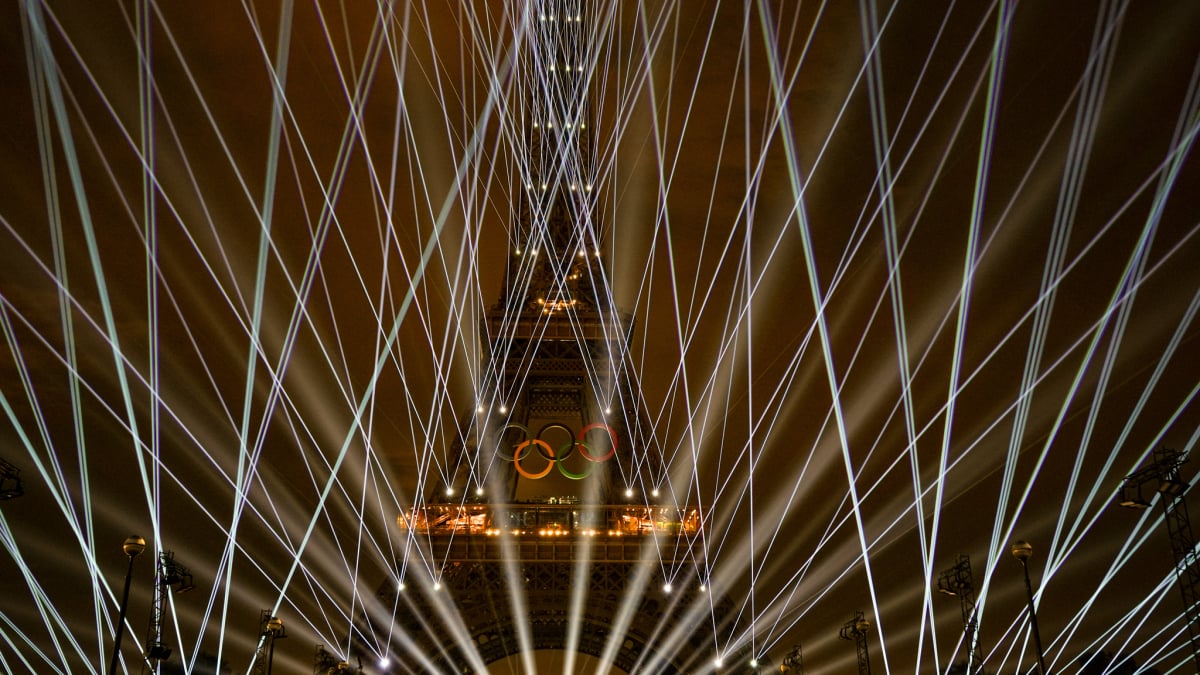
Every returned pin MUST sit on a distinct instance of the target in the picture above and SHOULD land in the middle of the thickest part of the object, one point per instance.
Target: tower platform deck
(548, 532)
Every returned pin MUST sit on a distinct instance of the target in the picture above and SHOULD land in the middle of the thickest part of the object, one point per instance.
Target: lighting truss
(1163, 475)
(793, 661)
(855, 630)
(168, 574)
(957, 581)
(270, 629)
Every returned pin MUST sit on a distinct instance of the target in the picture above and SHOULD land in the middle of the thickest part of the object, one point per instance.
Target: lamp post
(133, 547)
(1022, 550)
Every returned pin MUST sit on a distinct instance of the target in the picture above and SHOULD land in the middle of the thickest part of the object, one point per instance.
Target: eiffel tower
(552, 537)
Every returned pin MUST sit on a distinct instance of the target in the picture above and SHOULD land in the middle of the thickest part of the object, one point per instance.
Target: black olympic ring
(555, 458)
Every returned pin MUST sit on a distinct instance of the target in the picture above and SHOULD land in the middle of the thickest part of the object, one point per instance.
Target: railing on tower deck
(552, 520)
(579, 326)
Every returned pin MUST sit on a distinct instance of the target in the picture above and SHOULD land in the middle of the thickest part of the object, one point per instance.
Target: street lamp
(1022, 550)
(133, 547)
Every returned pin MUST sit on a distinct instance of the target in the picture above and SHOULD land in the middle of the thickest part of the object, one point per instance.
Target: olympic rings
(565, 450)
(517, 458)
(583, 446)
(555, 458)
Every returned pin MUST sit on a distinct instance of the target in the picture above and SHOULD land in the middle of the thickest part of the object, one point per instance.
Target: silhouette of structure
(957, 581)
(855, 630)
(552, 538)
(167, 575)
(1163, 475)
(793, 661)
(133, 547)
(270, 629)
(1022, 551)
(325, 663)
(11, 485)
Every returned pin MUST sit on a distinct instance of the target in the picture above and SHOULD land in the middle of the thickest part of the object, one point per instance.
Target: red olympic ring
(556, 459)
(583, 446)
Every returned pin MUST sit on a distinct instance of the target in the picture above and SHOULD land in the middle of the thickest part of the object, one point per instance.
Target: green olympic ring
(554, 458)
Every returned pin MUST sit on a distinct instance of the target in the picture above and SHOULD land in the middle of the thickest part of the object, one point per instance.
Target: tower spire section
(556, 72)
(557, 242)
(555, 339)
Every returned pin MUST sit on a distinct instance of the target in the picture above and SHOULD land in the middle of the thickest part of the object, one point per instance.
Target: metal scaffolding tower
(169, 574)
(1163, 474)
(856, 631)
(270, 629)
(325, 663)
(957, 581)
(793, 662)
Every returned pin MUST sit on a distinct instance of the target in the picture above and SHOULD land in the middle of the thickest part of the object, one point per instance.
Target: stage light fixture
(1172, 487)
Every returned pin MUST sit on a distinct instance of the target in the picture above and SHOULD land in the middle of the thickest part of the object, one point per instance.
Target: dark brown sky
(703, 159)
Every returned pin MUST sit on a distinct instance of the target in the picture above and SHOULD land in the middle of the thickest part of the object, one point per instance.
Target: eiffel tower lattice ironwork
(554, 538)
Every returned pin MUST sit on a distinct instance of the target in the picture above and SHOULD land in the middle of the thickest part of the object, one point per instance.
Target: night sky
(909, 281)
